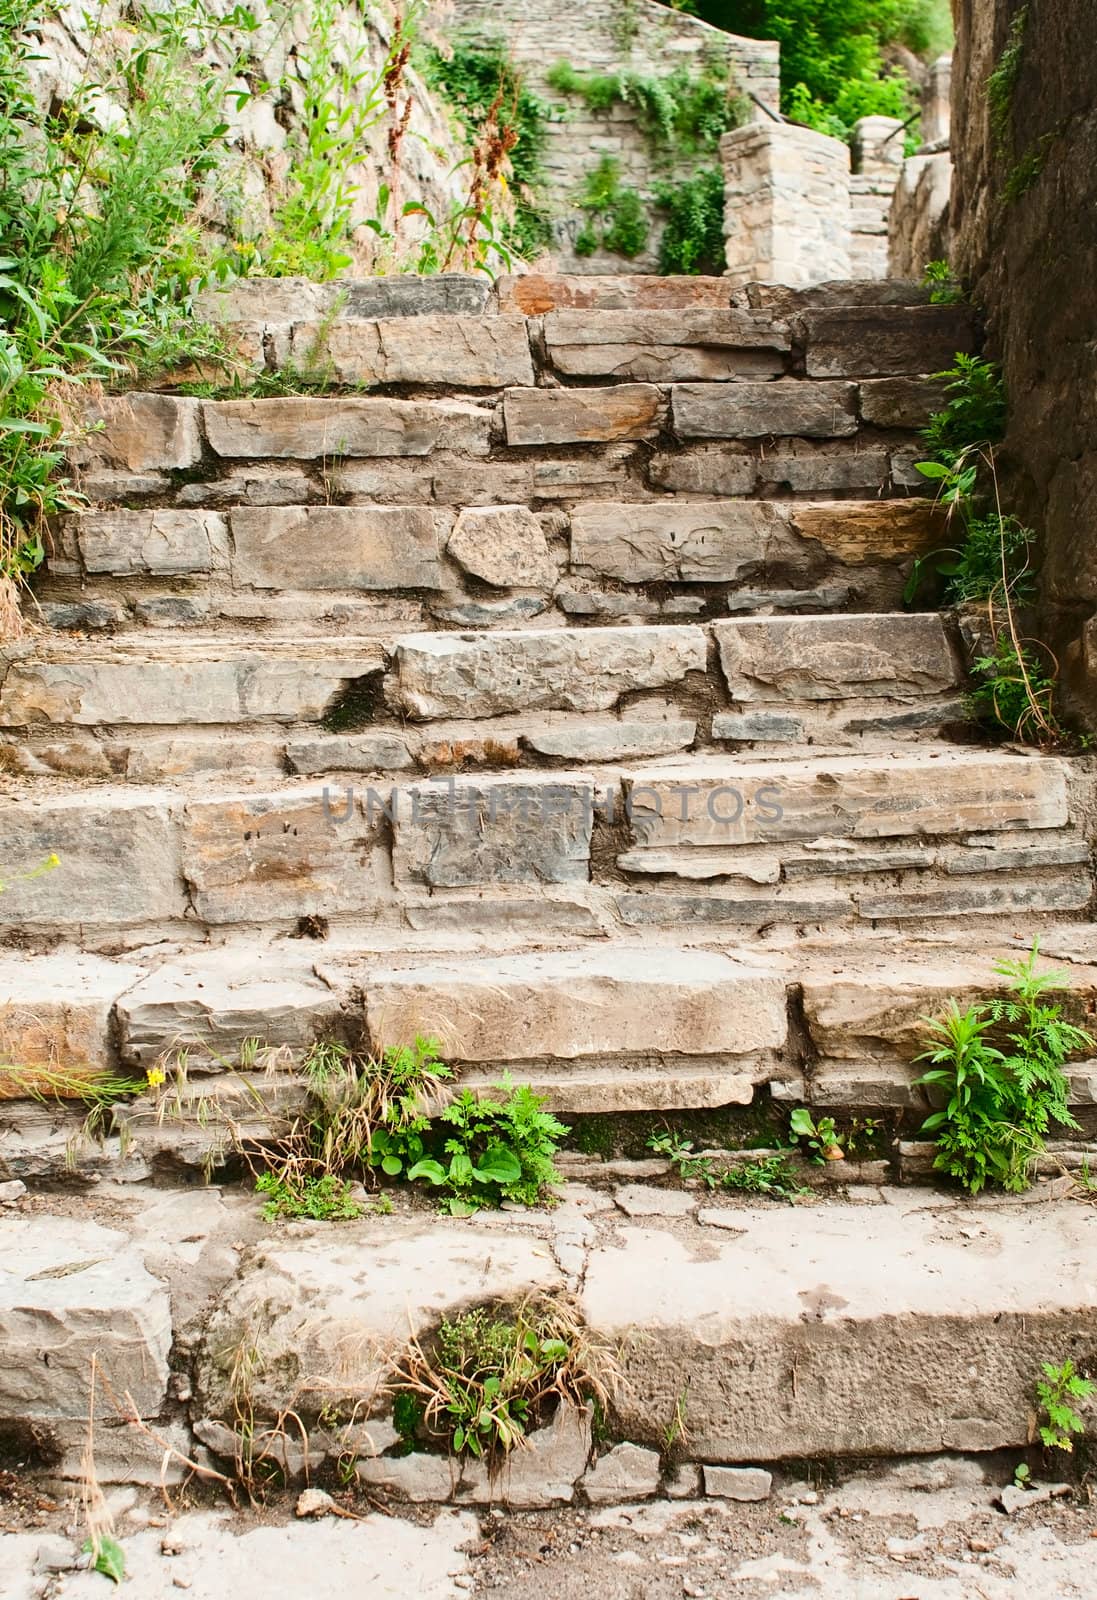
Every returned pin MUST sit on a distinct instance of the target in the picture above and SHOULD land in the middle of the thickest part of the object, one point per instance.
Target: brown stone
(827, 658)
(852, 342)
(858, 532)
(470, 352)
(308, 429)
(581, 416)
(337, 547)
(661, 346)
(534, 293)
(503, 545)
(158, 542)
(143, 433)
(705, 470)
(55, 1021)
(755, 410)
(900, 402)
(690, 541)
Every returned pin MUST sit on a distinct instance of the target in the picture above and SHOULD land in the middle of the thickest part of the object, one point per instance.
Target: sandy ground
(925, 1530)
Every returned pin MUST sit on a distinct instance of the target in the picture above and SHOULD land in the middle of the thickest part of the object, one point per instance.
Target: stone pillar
(937, 102)
(786, 205)
(877, 149)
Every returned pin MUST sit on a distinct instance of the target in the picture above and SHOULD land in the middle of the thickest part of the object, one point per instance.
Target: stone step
(595, 847)
(794, 1332)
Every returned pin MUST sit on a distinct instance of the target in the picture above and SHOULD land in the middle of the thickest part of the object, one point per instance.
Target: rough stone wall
(608, 36)
(786, 205)
(1029, 262)
(77, 47)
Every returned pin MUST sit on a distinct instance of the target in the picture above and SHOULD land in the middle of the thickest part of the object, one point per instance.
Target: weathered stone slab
(331, 1306)
(296, 852)
(660, 346)
(611, 739)
(690, 541)
(260, 485)
(758, 726)
(475, 353)
(119, 860)
(404, 295)
(70, 1291)
(627, 1472)
(595, 473)
(943, 1362)
(55, 1013)
(900, 402)
(705, 470)
(582, 1004)
(869, 340)
(383, 751)
(823, 471)
(482, 483)
(581, 416)
(860, 532)
(829, 658)
(210, 1002)
(176, 688)
(400, 482)
(712, 801)
(534, 293)
(581, 669)
(522, 829)
(1002, 896)
(158, 542)
(143, 433)
(754, 410)
(503, 545)
(307, 428)
(337, 547)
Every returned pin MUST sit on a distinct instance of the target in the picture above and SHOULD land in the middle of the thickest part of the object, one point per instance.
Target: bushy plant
(693, 239)
(320, 1199)
(1054, 1395)
(998, 1064)
(615, 216)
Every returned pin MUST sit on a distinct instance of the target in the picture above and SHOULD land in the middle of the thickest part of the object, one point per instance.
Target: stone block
(834, 658)
(861, 532)
(483, 483)
(119, 860)
(611, 739)
(535, 293)
(55, 1014)
(823, 471)
(871, 341)
(401, 482)
(755, 410)
(627, 1472)
(680, 541)
(541, 1474)
(143, 433)
(472, 353)
(580, 669)
(348, 752)
(72, 1290)
(704, 470)
(581, 416)
(900, 402)
(737, 1483)
(310, 429)
(337, 547)
(504, 546)
(521, 830)
(257, 857)
(575, 1005)
(157, 542)
(662, 346)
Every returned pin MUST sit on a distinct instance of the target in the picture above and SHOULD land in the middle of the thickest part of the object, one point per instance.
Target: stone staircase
(544, 686)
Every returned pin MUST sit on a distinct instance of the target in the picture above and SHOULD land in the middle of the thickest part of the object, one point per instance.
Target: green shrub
(616, 218)
(321, 1199)
(998, 1065)
(693, 239)
(683, 113)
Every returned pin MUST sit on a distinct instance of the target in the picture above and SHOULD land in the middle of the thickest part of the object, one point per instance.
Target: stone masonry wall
(75, 47)
(607, 36)
(1029, 262)
(786, 205)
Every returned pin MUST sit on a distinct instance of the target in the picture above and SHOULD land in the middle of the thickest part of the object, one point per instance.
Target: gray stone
(706, 470)
(611, 740)
(483, 483)
(418, 1477)
(172, 610)
(827, 658)
(157, 542)
(628, 1472)
(91, 616)
(581, 416)
(473, 353)
(543, 1472)
(737, 1483)
(525, 829)
(397, 295)
(588, 669)
(661, 346)
(72, 1290)
(900, 402)
(869, 340)
(754, 410)
(684, 1482)
(504, 545)
(685, 541)
(309, 429)
(296, 852)
(337, 547)
(143, 433)
(400, 482)
(487, 613)
(758, 726)
(256, 486)
(348, 752)
(823, 472)
(12, 1191)
(119, 859)
(581, 1004)
(644, 1200)
(58, 1014)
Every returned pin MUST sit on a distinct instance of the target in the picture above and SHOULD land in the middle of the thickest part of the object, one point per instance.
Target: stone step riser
(645, 846)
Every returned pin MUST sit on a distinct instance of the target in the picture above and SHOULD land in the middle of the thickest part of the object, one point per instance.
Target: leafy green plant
(322, 1199)
(943, 288)
(768, 1175)
(693, 238)
(683, 111)
(1014, 689)
(819, 1134)
(998, 1065)
(1003, 79)
(1054, 1393)
(616, 218)
(489, 1377)
(107, 1557)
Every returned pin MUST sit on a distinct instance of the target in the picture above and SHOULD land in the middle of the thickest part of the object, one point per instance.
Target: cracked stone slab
(309, 429)
(683, 541)
(826, 658)
(469, 352)
(337, 547)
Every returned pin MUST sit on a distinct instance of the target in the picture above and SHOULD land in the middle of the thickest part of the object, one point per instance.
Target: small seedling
(1054, 1392)
(1022, 1476)
(108, 1557)
(820, 1137)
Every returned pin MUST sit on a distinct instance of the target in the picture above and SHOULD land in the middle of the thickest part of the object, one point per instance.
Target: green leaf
(432, 1171)
(498, 1164)
(393, 1166)
(110, 1560)
(801, 1124)
(932, 469)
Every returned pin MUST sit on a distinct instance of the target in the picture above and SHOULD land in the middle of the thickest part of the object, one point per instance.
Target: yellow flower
(155, 1076)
